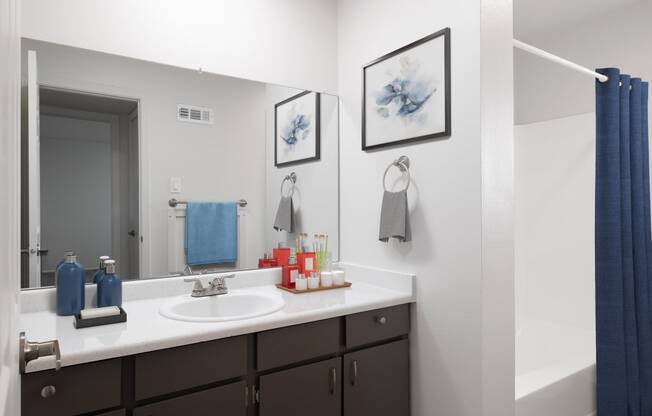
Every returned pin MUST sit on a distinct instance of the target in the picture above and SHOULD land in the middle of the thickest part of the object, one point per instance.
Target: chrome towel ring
(292, 177)
(403, 163)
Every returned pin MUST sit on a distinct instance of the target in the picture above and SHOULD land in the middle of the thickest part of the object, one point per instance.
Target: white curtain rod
(561, 61)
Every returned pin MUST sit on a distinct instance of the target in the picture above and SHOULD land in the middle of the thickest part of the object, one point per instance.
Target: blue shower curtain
(623, 247)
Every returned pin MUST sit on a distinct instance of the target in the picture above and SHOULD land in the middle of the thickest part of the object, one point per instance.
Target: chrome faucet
(216, 286)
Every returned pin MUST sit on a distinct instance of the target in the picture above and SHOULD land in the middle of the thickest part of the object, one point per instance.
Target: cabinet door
(313, 390)
(376, 381)
(229, 400)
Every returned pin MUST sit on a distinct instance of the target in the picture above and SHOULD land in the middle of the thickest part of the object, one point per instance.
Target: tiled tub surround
(146, 330)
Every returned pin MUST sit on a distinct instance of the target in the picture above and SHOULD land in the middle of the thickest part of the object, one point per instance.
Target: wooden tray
(299, 292)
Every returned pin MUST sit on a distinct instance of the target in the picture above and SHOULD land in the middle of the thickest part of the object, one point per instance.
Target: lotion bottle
(70, 287)
(109, 288)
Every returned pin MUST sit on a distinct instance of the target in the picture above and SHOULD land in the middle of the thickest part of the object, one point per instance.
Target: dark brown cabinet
(376, 381)
(229, 400)
(313, 389)
(356, 365)
(73, 390)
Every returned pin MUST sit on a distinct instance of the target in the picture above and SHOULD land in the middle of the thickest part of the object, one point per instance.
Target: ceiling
(85, 102)
(535, 18)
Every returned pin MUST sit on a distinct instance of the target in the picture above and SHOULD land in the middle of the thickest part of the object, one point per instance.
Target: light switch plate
(175, 185)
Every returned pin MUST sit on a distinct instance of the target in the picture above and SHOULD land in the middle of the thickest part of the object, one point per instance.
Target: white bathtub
(555, 370)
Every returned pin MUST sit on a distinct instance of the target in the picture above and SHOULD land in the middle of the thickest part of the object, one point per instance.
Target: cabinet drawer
(377, 325)
(293, 344)
(176, 369)
(74, 390)
(229, 400)
(311, 390)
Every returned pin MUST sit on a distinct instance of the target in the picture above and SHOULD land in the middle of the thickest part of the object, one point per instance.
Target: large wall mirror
(118, 155)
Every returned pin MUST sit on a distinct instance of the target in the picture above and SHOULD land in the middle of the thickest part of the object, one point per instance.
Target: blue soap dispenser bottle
(70, 287)
(109, 288)
(100, 271)
(63, 259)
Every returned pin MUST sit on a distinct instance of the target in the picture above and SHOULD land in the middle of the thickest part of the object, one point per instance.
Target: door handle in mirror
(132, 233)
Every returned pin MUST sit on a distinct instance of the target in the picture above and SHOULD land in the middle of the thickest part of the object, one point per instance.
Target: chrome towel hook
(403, 164)
(292, 177)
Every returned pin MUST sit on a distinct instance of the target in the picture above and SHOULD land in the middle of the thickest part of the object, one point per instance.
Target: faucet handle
(220, 282)
(198, 286)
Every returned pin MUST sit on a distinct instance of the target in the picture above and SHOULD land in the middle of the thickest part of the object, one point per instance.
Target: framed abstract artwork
(406, 94)
(296, 129)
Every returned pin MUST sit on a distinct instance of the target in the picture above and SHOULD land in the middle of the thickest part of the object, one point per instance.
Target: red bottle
(307, 262)
(290, 272)
(267, 262)
(282, 255)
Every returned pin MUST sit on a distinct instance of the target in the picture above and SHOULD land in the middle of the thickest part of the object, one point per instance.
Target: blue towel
(211, 233)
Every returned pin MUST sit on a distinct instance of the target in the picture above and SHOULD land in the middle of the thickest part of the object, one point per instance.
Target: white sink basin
(229, 307)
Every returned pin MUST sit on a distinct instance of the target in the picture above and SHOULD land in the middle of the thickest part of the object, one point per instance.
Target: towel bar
(173, 203)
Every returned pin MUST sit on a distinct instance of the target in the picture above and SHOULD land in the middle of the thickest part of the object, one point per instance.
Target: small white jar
(338, 277)
(313, 282)
(301, 283)
(326, 279)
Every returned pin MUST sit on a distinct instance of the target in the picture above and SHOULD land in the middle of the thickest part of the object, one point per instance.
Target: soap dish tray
(102, 320)
(299, 292)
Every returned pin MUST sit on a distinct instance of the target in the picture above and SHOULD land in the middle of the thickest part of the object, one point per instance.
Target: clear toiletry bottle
(70, 287)
(109, 289)
(101, 270)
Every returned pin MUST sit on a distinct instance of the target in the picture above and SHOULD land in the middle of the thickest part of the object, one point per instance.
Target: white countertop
(147, 330)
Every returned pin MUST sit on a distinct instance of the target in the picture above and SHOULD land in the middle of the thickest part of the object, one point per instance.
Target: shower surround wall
(554, 191)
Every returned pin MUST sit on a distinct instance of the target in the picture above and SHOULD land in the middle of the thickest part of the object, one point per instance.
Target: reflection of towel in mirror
(285, 215)
(211, 233)
(394, 217)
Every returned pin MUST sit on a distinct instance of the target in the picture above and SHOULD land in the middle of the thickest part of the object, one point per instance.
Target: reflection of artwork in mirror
(406, 95)
(297, 129)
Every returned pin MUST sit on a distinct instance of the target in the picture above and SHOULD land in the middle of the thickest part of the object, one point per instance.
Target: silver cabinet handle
(354, 372)
(381, 320)
(333, 380)
(48, 391)
(29, 351)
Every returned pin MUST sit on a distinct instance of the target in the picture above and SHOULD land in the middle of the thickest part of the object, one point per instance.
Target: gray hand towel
(394, 217)
(285, 215)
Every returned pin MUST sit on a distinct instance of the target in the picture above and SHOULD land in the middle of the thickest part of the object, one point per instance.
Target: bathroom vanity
(344, 351)
(358, 363)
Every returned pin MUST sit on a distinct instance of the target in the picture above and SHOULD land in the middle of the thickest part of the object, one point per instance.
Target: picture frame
(406, 94)
(297, 129)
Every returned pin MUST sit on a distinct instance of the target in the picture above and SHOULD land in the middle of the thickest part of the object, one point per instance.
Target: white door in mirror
(229, 307)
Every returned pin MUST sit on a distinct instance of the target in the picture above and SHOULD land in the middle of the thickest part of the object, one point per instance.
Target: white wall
(546, 90)
(555, 182)
(287, 42)
(316, 196)
(445, 202)
(9, 206)
(75, 189)
(205, 157)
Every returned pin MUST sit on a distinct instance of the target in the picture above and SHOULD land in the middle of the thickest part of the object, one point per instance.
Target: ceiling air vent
(194, 114)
